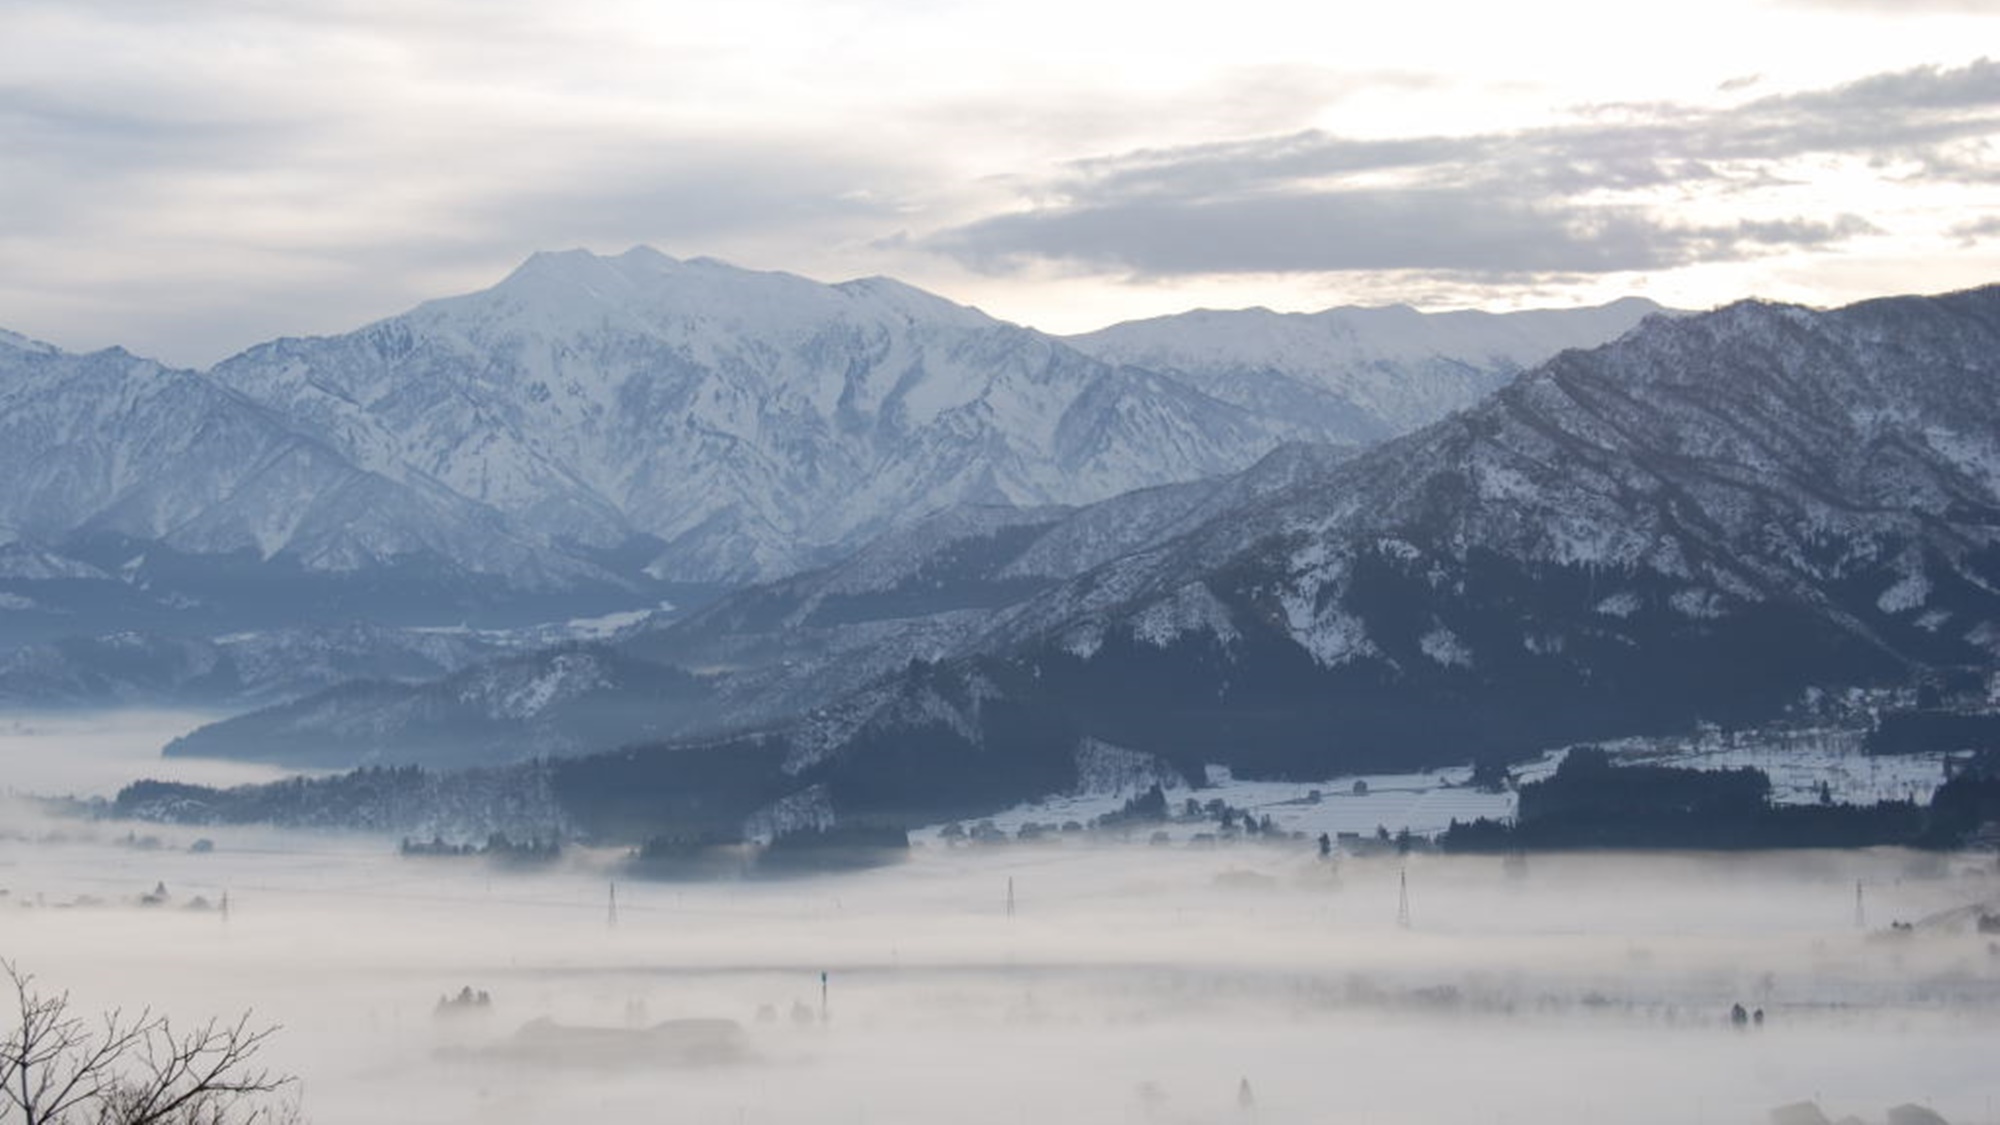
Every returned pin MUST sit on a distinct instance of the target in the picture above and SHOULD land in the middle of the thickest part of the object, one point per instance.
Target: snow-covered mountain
(1714, 518)
(1698, 521)
(120, 470)
(594, 426)
(1356, 374)
(931, 592)
(1709, 520)
(749, 424)
(925, 593)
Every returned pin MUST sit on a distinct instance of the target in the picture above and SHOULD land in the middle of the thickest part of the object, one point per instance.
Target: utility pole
(611, 915)
(1403, 899)
(1860, 911)
(1010, 896)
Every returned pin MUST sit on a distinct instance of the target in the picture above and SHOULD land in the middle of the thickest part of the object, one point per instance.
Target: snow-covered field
(1798, 762)
(1426, 803)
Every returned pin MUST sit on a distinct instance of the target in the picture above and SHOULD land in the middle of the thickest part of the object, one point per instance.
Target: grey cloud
(328, 171)
(99, 133)
(679, 194)
(1977, 84)
(1977, 230)
(1501, 202)
(1663, 144)
(98, 163)
(1255, 100)
(668, 190)
(1245, 165)
(1444, 230)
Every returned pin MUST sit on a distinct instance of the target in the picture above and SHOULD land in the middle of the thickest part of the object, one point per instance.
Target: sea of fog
(1038, 982)
(94, 754)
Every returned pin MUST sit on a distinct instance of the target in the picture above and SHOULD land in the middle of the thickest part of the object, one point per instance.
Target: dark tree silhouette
(58, 1067)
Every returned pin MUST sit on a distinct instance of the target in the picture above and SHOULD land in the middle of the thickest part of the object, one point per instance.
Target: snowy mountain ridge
(756, 423)
(592, 430)
(112, 447)
(1357, 374)
(1718, 519)
(751, 423)
(925, 593)
(1714, 520)
(1692, 485)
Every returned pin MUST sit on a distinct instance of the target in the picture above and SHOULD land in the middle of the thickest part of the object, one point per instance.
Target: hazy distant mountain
(1703, 521)
(558, 701)
(235, 671)
(1356, 374)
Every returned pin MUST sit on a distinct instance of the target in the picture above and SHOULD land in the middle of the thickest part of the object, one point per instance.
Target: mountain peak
(752, 421)
(636, 264)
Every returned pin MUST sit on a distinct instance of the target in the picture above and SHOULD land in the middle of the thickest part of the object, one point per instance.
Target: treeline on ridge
(1591, 802)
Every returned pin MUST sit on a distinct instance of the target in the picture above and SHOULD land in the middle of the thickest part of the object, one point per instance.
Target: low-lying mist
(1054, 982)
(95, 753)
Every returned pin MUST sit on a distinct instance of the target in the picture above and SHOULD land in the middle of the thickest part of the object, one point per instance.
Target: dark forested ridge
(1591, 802)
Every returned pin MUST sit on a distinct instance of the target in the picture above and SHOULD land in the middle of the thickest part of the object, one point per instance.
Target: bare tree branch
(55, 1069)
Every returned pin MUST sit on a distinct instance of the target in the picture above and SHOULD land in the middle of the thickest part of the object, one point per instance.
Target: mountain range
(757, 656)
(597, 433)
(1723, 518)
(1715, 518)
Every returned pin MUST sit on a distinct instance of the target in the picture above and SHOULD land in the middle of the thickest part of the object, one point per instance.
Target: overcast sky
(189, 178)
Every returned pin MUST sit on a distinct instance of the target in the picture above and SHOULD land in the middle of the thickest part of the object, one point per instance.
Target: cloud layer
(1611, 191)
(189, 180)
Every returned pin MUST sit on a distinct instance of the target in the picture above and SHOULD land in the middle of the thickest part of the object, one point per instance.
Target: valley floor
(1070, 983)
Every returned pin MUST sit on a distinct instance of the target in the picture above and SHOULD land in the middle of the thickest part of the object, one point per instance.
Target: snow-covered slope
(749, 422)
(925, 593)
(933, 591)
(1697, 521)
(753, 424)
(1356, 374)
(1701, 522)
(121, 454)
(592, 427)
